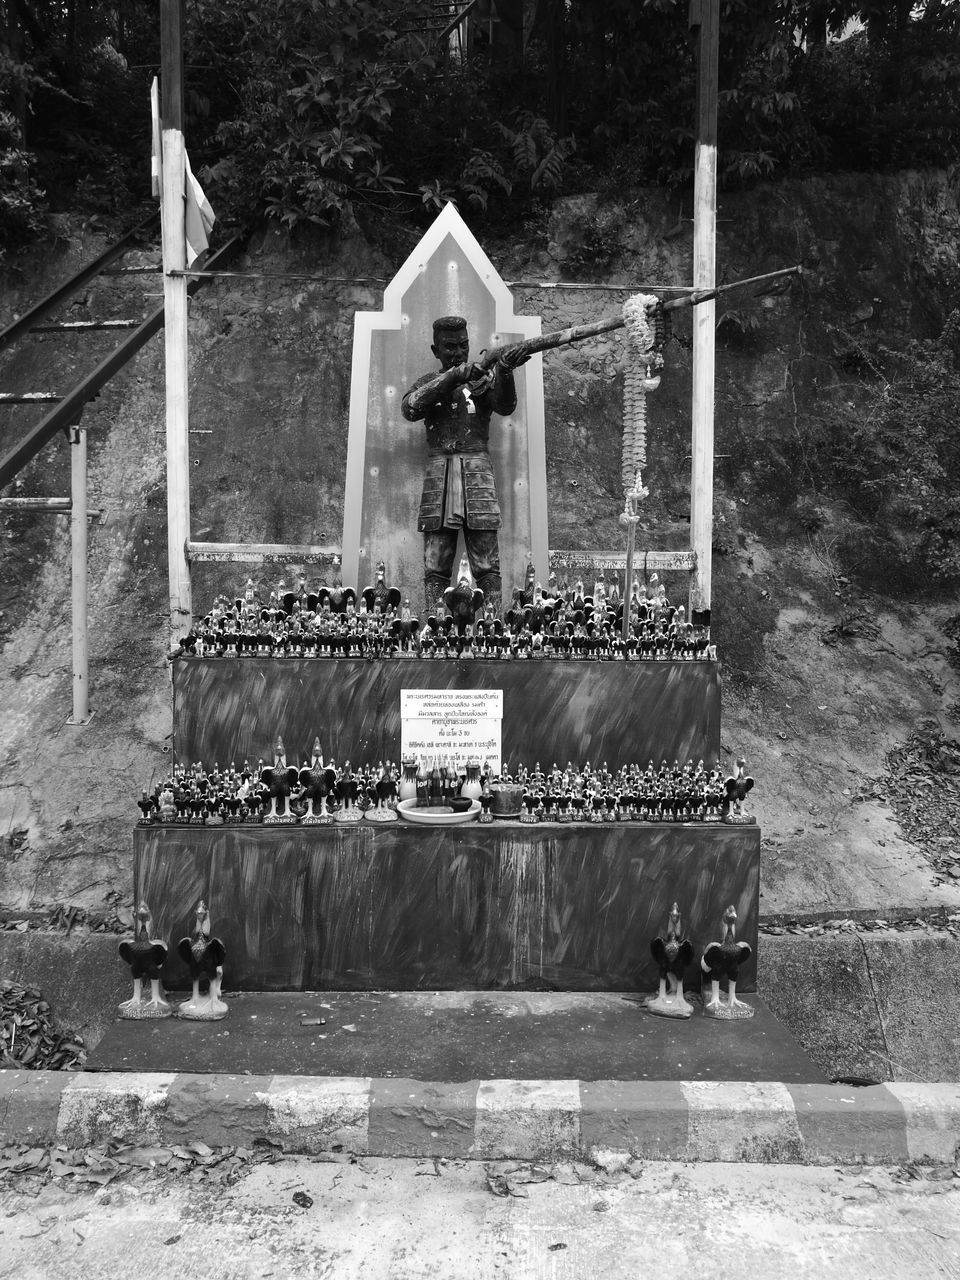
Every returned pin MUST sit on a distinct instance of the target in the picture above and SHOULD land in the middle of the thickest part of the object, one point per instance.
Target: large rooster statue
(673, 954)
(318, 782)
(204, 957)
(145, 956)
(280, 779)
(737, 787)
(723, 960)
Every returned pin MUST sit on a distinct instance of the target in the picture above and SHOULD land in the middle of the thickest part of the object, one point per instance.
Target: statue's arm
(504, 389)
(429, 390)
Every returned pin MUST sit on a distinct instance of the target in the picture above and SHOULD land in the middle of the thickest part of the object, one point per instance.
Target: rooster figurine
(335, 596)
(723, 960)
(673, 954)
(737, 787)
(464, 600)
(387, 599)
(145, 956)
(204, 958)
(317, 781)
(280, 779)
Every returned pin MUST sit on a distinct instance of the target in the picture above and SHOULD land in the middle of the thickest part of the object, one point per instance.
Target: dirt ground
(398, 1219)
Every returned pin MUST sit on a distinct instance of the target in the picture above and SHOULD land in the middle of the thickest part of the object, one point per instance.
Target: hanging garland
(642, 319)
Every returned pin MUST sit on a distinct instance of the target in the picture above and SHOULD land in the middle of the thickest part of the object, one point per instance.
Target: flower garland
(639, 316)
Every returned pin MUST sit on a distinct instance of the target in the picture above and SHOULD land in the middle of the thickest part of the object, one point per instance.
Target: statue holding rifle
(456, 405)
(459, 488)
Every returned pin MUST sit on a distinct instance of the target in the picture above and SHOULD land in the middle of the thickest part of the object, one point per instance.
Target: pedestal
(226, 709)
(575, 907)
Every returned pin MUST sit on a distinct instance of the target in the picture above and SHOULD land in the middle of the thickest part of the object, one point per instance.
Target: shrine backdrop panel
(229, 709)
(467, 907)
(447, 273)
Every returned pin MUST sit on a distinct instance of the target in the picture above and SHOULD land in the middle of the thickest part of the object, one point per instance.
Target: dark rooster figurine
(463, 601)
(380, 596)
(317, 782)
(145, 956)
(673, 953)
(737, 787)
(336, 596)
(723, 960)
(406, 630)
(204, 958)
(279, 779)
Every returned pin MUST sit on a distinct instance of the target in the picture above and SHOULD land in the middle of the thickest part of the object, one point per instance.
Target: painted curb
(766, 1121)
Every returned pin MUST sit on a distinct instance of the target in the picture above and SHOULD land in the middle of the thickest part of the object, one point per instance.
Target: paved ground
(408, 1220)
(458, 1036)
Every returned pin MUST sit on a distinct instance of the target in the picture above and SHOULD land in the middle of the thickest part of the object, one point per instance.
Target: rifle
(577, 333)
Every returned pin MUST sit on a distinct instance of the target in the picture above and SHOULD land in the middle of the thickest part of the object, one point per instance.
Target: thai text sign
(600, 562)
(458, 724)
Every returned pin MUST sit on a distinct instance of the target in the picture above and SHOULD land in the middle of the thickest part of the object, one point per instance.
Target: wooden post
(172, 174)
(78, 558)
(705, 21)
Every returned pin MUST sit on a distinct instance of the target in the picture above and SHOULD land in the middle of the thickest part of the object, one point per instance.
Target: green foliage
(22, 202)
(22, 208)
(308, 111)
(305, 130)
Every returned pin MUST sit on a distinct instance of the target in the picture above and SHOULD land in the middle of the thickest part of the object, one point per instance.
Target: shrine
(565, 884)
(393, 773)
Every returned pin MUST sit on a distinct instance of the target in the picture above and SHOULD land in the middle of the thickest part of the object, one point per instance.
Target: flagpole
(175, 316)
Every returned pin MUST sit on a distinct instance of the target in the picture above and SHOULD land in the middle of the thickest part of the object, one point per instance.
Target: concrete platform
(459, 1036)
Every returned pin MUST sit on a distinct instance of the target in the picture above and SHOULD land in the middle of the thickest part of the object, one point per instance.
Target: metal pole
(78, 555)
(705, 19)
(175, 317)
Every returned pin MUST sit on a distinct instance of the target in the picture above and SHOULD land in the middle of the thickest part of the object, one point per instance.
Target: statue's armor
(457, 444)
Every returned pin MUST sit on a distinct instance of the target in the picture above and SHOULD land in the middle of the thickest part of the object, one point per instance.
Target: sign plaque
(458, 724)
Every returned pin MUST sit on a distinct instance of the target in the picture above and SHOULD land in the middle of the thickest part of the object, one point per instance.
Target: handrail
(460, 17)
(68, 411)
(53, 300)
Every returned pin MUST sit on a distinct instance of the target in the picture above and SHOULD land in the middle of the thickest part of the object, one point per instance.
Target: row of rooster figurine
(204, 956)
(562, 622)
(321, 792)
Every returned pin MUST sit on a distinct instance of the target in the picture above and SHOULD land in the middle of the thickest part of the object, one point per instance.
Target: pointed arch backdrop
(448, 273)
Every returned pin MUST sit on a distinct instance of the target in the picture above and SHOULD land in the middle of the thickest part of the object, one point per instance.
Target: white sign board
(601, 561)
(458, 724)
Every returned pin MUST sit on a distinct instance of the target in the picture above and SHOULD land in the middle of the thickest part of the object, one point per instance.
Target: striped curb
(762, 1121)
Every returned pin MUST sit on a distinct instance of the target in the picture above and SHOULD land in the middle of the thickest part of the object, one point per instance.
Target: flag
(155, 136)
(198, 216)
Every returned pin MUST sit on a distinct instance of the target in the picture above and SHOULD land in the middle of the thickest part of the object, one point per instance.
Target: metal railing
(66, 417)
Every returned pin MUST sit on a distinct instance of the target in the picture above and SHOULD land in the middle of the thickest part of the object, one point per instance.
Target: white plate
(441, 816)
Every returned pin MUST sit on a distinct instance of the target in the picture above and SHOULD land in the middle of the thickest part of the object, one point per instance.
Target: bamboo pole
(705, 20)
(175, 316)
(580, 332)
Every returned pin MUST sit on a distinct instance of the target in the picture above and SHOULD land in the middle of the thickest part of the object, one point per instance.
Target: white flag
(198, 215)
